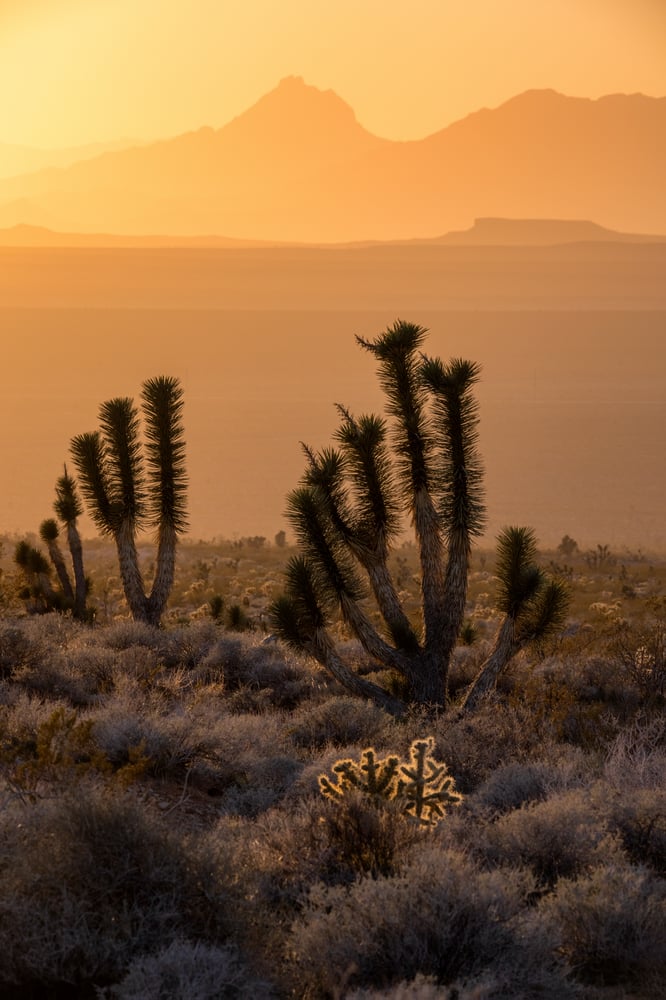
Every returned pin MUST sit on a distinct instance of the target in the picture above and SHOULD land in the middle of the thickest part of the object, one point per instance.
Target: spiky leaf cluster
(396, 351)
(535, 602)
(67, 505)
(30, 559)
(162, 403)
(299, 615)
(117, 489)
(459, 481)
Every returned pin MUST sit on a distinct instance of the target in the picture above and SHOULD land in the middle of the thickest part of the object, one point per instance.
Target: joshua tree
(347, 512)
(68, 509)
(40, 591)
(49, 533)
(39, 594)
(125, 497)
(533, 605)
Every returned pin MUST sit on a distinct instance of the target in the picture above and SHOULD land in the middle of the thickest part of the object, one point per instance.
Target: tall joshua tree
(126, 494)
(347, 512)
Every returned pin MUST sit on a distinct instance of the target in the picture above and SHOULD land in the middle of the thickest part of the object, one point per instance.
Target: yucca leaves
(30, 559)
(119, 421)
(67, 504)
(49, 530)
(88, 453)
(460, 471)
(396, 351)
(162, 404)
(322, 545)
(299, 614)
(368, 465)
(534, 606)
(547, 613)
(518, 576)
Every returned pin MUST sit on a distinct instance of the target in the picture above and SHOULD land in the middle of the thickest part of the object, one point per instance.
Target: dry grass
(162, 832)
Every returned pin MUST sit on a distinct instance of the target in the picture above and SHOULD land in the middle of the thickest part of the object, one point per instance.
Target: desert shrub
(339, 721)
(640, 651)
(246, 665)
(15, 649)
(514, 785)
(88, 882)
(122, 635)
(609, 923)
(546, 983)
(440, 917)
(638, 817)
(306, 784)
(638, 749)
(169, 744)
(557, 838)
(187, 646)
(420, 988)
(186, 970)
(362, 837)
(260, 786)
(474, 746)
(519, 783)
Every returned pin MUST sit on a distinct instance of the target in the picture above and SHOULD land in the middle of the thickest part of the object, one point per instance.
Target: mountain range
(297, 166)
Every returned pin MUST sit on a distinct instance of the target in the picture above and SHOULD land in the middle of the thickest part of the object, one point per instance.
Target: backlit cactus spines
(426, 785)
(423, 785)
(373, 777)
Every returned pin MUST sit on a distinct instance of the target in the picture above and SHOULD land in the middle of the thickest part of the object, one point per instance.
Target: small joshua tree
(533, 604)
(421, 784)
(124, 496)
(40, 594)
(347, 514)
(68, 509)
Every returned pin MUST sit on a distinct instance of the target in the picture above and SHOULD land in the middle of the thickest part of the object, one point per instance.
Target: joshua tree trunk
(80, 583)
(130, 573)
(60, 567)
(486, 679)
(164, 574)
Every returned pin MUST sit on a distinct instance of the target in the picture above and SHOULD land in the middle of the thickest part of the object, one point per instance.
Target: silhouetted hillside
(297, 166)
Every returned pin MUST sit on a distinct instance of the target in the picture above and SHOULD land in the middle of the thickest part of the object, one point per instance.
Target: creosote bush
(439, 917)
(93, 883)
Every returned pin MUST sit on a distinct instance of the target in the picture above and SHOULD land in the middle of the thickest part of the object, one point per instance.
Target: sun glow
(80, 71)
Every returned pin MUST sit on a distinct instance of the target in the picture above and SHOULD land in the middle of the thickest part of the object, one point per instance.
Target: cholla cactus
(421, 783)
(373, 777)
(426, 785)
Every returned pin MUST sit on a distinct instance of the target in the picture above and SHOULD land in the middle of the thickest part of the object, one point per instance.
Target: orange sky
(75, 71)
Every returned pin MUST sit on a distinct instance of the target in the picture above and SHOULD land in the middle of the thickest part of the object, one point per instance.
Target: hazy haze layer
(573, 398)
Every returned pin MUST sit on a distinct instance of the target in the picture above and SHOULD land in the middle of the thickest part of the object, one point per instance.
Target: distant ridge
(486, 232)
(540, 232)
(298, 167)
(41, 236)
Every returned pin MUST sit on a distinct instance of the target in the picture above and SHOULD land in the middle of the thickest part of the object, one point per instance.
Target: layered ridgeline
(297, 166)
